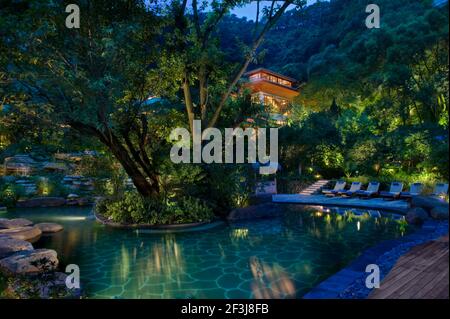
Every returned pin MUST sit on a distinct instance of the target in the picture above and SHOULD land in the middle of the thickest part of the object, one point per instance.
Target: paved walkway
(422, 273)
(375, 203)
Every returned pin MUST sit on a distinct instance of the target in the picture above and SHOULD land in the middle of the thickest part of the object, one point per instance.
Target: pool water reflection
(270, 258)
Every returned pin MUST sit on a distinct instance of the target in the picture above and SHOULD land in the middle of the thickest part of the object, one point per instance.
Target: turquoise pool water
(270, 258)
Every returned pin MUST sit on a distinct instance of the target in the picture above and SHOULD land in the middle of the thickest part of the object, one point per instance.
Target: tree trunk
(145, 179)
(147, 186)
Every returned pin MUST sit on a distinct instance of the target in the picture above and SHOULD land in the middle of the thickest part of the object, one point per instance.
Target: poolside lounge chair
(440, 189)
(414, 190)
(394, 191)
(356, 186)
(372, 190)
(340, 185)
(374, 213)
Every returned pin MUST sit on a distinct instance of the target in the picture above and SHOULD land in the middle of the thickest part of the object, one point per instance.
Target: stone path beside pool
(373, 203)
(349, 283)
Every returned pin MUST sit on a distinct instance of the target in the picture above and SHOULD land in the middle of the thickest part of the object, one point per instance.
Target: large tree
(92, 79)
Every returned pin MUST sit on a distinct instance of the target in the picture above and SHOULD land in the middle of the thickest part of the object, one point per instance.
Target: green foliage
(96, 166)
(10, 194)
(51, 185)
(390, 84)
(385, 178)
(32, 287)
(132, 208)
(230, 186)
(350, 143)
(93, 81)
(187, 210)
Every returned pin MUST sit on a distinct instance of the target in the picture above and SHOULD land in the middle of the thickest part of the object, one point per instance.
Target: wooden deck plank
(441, 293)
(428, 288)
(400, 275)
(421, 273)
(419, 286)
(410, 276)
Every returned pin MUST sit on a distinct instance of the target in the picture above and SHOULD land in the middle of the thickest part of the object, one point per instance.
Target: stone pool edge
(349, 282)
(158, 229)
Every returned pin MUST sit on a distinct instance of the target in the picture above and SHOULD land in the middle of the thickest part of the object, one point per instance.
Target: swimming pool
(282, 257)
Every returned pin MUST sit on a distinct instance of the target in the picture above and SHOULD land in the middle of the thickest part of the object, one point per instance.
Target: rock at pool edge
(416, 216)
(49, 227)
(27, 233)
(30, 262)
(440, 212)
(9, 246)
(15, 223)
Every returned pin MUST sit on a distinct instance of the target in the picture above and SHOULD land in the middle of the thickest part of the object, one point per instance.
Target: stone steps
(315, 188)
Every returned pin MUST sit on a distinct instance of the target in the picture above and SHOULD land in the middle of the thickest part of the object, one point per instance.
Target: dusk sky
(249, 10)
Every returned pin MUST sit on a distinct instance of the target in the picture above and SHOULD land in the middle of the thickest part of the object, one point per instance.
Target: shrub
(133, 208)
(188, 210)
(230, 186)
(10, 194)
(51, 185)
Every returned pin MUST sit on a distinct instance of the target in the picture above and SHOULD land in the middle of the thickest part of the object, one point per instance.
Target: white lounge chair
(394, 191)
(374, 213)
(372, 190)
(340, 185)
(440, 189)
(356, 186)
(414, 190)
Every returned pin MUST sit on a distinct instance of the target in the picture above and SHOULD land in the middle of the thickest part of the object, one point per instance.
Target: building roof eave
(271, 73)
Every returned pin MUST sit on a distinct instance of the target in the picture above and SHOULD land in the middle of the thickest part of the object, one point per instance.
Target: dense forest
(388, 87)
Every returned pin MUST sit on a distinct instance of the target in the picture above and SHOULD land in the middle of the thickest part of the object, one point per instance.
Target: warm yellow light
(45, 191)
(240, 233)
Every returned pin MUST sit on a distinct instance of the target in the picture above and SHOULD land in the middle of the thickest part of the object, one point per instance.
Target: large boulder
(9, 246)
(49, 227)
(428, 202)
(416, 216)
(41, 202)
(30, 262)
(14, 223)
(439, 212)
(28, 233)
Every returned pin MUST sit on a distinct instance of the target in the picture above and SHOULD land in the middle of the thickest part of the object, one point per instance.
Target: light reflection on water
(268, 258)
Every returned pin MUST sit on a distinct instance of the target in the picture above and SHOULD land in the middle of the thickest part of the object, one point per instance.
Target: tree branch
(188, 102)
(271, 21)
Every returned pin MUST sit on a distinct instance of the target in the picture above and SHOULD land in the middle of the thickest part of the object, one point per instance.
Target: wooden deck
(422, 273)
